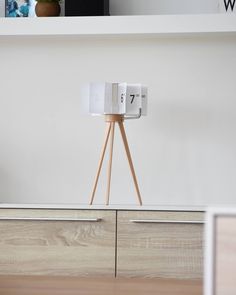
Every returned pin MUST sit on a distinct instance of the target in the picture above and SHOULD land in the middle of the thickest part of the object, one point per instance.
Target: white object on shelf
(117, 98)
(152, 25)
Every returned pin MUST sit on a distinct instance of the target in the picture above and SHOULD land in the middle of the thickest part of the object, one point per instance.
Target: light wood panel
(75, 248)
(225, 266)
(159, 249)
(96, 286)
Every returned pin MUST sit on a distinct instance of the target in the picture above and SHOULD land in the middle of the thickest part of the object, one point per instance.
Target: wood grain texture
(128, 154)
(159, 250)
(225, 270)
(107, 134)
(71, 248)
(37, 285)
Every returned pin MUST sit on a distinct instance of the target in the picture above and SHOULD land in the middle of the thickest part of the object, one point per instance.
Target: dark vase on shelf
(47, 8)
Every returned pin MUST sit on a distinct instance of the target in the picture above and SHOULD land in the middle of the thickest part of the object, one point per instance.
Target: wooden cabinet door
(160, 244)
(57, 242)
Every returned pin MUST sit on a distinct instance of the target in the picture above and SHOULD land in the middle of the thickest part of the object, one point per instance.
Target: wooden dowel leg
(122, 130)
(110, 162)
(100, 162)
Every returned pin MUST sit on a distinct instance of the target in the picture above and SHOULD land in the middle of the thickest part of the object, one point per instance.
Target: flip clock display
(117, 98)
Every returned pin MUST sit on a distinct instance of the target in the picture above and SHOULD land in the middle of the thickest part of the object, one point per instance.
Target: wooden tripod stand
(111, 120)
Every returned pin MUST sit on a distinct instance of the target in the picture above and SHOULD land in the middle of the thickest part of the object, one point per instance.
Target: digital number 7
(132, 98)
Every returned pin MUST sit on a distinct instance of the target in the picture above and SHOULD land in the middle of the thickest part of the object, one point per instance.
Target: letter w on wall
(227, 6)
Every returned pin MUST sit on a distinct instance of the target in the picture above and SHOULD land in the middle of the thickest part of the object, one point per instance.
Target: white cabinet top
(150, 25)
(101, 207)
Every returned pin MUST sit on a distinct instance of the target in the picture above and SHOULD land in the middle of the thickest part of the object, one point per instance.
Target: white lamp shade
(117, 98)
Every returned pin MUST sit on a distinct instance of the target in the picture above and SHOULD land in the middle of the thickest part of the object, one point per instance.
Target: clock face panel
(117, 98)
(133, 99)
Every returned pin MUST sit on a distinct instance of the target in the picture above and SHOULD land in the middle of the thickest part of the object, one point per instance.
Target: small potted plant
(47, 8)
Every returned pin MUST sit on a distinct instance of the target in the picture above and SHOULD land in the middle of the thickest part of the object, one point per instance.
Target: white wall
(130, 7)
(183, 151)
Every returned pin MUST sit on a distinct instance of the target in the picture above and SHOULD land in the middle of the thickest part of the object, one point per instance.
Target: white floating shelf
(152, 25)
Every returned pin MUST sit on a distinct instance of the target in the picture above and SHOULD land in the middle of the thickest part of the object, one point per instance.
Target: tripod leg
(100, 162)
(122, 130)
(110, 162)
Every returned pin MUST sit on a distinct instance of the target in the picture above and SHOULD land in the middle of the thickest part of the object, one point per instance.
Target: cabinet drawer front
(57, 242)
(160, 244)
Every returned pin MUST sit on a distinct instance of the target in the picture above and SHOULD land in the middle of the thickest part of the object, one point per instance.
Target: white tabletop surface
(102, 207)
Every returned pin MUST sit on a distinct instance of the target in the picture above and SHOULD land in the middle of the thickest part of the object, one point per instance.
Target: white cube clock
(117, 98)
